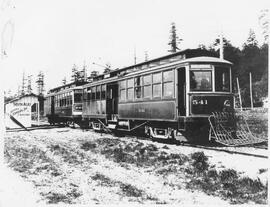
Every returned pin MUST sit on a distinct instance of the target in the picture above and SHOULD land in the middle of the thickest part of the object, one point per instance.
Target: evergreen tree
(231, 53)
(74, 76)
(107, 68)
(261, 87)
(94, 73)
(77, 76)
(174, 39)
(64, 81)
(254, 60)
(264, 24)
(250, 61)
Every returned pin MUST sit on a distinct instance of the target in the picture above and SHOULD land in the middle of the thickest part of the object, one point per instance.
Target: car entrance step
(112, 124)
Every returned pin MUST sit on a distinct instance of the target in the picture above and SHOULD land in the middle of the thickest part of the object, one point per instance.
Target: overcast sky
(52, 35)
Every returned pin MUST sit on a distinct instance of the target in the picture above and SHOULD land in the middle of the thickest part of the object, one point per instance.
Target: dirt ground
(72, 166)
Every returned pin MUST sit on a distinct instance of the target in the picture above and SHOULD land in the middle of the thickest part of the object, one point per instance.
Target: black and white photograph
(132, 102)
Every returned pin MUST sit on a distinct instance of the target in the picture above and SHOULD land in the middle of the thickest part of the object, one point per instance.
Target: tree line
(251, 58)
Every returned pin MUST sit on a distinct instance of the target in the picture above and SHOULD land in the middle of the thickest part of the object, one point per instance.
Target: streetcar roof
(63, 91)
(200, 60)
(205, 59)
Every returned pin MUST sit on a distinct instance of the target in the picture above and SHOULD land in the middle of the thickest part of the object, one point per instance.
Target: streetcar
(166, 97)
(63, 105)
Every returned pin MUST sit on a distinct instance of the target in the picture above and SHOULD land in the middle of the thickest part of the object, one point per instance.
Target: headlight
(227, 106)
(227, 103)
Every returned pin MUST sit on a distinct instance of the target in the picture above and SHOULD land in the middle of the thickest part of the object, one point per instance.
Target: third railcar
(64, 104)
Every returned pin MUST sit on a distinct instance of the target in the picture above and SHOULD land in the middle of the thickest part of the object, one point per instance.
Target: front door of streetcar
(181, 91)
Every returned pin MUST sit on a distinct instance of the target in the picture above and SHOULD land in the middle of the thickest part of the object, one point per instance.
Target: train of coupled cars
(164, 97)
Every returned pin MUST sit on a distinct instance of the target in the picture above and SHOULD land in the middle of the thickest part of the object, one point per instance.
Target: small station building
(24, 111)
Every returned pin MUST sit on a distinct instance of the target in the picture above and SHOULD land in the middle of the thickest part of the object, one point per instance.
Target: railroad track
(35, 128)
(224, 150)
(211, 147)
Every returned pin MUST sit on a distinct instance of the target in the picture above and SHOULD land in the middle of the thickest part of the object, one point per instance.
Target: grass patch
(88, 146)
(199, 162)
(130, 190)
(257, 120)
(142, 155)
(68, 155)
(229, 185)
(28, 159)
(54, 198)
(103, 180)
(67, 198)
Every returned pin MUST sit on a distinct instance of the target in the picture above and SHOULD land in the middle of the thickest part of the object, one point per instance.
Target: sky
(52, 35)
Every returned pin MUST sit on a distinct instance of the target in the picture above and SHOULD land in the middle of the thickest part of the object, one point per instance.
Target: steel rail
(34, 128)
(173, 142)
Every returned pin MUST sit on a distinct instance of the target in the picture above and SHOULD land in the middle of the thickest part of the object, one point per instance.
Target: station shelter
(23, 111)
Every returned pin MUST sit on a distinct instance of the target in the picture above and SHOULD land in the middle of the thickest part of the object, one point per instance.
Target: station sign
(18, 115)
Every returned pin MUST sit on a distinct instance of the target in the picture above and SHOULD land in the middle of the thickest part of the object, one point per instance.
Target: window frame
(93, 93)
(147, 85)
(103, 92)
(211, 79)
(75, 101)
(138, 86)
(98, 92)
(159, 82)
(168, 82)
(122, 88)
(228, 71)
(130, 87)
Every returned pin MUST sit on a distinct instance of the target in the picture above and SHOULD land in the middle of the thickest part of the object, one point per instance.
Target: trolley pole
(221, 52)
(239, 94)
(250, 89)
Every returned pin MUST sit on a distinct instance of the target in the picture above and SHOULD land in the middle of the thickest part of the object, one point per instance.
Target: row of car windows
(202, 80)
(155, 85)
(64, 99)
(95, 92)
(150, 86)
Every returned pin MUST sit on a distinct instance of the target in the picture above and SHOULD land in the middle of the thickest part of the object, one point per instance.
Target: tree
(174, 39)
(251, 41)
(64, 81)
(264, 24)
(77, 76)
(94, 73)
(261, 87)
(231, 53)
(74, 76)
(29, 85)
(254, 60)
(250, 61)
(40, 83)
(107, 68)
(202, 46)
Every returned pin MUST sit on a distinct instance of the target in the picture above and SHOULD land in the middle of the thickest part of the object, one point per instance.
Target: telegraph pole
(250, 89)
(23, 84)
(29, 86)
(135, 58)
(40, 83)
(239, 94)
(84, 72)
(221, 55)
(145, 56)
